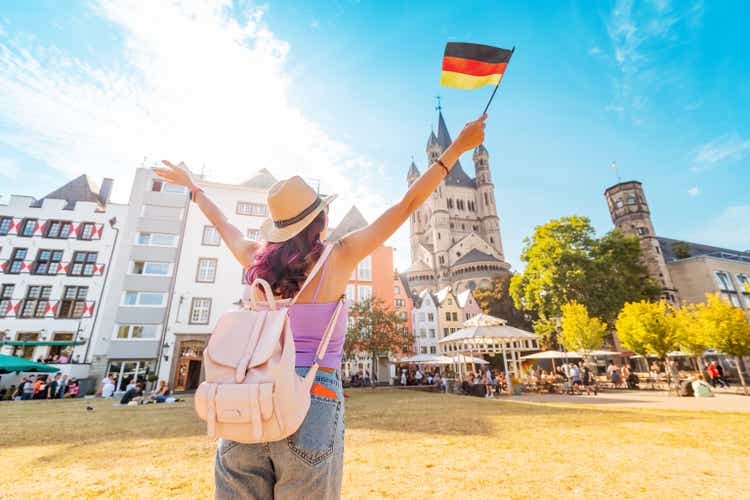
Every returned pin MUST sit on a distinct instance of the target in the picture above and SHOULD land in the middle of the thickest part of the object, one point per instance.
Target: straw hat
(293, 205)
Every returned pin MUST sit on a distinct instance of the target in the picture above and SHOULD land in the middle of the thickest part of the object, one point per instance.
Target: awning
(10, 364)
(35, 343)
(552, 355)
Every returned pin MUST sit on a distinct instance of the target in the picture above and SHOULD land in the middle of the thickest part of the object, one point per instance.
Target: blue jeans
(307, 464)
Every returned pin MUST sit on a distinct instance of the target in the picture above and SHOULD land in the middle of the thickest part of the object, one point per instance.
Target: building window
(350, 294)
(486, 199)
(432, 333)
(6, 294)
(446, 331)
(156, 239)
(149, 268)
(161, 186)
(402, 315)
(400, 302)
(364, 292)
(455, 316)
(124, 332)
(247, 208)
(27, 227)
(642, 231)
(86, 231)
(47, 262)
(430, 317)
(206, 271)
(618, 203)
(14, 265)
(631, 200)
(423, 349)
(83, 264)
(422, 333)
(364, 269)
(151, 299)
(253, 234)
(57, 229)
(73, 302)
(727, 288)
(211, 236)
(5, 223)
(396, 290)
(433, 349)
(450, 203)
(200, 311)
(35, 303)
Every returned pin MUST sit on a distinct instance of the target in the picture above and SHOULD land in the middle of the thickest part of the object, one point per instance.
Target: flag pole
(498, 82)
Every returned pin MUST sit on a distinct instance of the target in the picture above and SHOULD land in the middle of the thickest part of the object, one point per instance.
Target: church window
(458, 254)
(463, 226)
(442, 259)
(451, 225)
(631, 200)
(438, 235)
(450, 202)
(486, 199)
(618, 203)
(492, 240)
(641, 231)
(475, 227)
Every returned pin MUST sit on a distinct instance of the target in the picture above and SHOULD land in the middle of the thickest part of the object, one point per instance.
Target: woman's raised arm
(359, 244)
(242, 248)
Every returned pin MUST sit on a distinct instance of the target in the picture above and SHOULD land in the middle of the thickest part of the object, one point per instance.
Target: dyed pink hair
(284, 265)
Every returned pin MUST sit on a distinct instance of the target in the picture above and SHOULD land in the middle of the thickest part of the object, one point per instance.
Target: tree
(376, 330)
(649, 328)
(681, 249)
(496, 301)
(581, 332)
(547, 331)
(692, 336)
(565, 262)
(725, 327)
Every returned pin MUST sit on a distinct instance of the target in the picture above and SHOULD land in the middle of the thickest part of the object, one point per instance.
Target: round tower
(485, 200)
(630, 214)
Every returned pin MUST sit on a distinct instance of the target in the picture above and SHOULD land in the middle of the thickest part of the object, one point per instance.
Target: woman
(161, 393)
(308, 463)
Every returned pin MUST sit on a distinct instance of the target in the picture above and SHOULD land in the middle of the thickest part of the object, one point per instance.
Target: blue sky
(344, 92)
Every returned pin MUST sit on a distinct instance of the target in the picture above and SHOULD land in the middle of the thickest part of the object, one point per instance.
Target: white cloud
(641, 32)
(196, 82)
(727, 147)
(728, 229)
(9, 168)
(693, 191)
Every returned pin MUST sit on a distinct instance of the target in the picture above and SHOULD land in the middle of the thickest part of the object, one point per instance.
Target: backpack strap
(318, 265)
(323, 346)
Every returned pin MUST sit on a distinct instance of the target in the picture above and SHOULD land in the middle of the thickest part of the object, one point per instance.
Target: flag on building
(471, 65)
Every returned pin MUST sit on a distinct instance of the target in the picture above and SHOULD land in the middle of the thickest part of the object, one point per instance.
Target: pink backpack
(252, 394)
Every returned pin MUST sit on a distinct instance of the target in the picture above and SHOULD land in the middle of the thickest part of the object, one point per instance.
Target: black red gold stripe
(471, 65)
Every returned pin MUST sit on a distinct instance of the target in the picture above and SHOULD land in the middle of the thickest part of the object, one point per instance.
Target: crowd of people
(431, 377)
(487, 383)
(134, 392)
(42, 387)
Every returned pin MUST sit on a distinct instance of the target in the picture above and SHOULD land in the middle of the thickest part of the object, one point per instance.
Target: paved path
(647, 399)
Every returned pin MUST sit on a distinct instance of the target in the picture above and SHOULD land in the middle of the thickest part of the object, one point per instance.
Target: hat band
(288, 222)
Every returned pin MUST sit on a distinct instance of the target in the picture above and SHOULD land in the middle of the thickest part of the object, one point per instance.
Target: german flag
(470, 65)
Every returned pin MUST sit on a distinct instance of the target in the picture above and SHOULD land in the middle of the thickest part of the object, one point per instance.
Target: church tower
(485, 199)
(630, 213)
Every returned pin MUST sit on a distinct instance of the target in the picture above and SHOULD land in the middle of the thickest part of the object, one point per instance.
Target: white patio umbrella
(552, 355)
(427, 359)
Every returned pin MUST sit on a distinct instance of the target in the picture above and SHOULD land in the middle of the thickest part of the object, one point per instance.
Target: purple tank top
(309, 322)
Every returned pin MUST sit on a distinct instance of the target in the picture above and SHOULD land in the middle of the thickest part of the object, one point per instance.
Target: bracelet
(194, 192)
(440, 162)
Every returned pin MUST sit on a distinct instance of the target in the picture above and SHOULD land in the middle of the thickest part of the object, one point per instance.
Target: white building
(426, 331)
(209, 280)
(131, 329)
(55, 255)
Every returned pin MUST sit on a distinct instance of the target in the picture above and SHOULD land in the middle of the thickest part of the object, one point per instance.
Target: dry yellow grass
(399, 444)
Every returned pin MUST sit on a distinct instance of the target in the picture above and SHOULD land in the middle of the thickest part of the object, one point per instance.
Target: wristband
(194, 191)
(440, 162)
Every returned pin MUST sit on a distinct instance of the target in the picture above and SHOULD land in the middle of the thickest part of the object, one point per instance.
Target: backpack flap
(235, 336)
(269, 342)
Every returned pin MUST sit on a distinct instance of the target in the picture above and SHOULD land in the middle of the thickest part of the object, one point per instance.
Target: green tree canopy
(581, 332)
(375, 329)
(496, 301)
(565, 262)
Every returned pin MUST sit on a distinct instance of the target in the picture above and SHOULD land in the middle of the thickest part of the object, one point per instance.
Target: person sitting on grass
(701, 388)
(633, 381)
(133, 395)
(589, 382)
(161, 393)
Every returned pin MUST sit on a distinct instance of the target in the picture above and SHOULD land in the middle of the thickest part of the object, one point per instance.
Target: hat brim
(272, 234)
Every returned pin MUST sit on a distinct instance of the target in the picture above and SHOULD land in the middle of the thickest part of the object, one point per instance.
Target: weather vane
(438, 107)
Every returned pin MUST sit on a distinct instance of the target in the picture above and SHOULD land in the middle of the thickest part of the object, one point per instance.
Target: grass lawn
(399, 444)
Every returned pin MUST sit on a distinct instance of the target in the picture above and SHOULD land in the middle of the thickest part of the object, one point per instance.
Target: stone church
(455, 234)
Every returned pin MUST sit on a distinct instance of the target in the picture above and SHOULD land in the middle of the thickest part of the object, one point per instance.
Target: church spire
(413, 172)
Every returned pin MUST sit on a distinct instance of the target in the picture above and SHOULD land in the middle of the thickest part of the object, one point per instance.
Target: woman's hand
(472, 134)
(174, 174)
